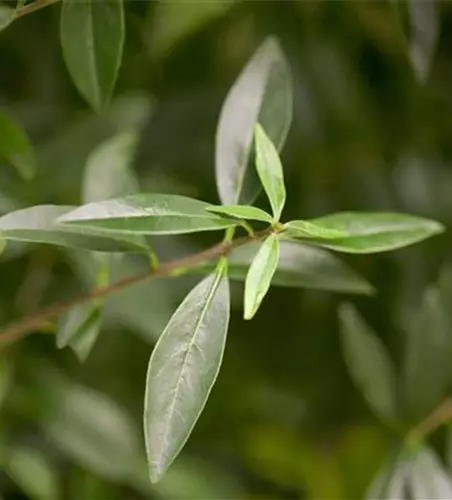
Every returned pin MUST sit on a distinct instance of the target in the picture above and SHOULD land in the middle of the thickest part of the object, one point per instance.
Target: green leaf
(79, 328)
(260, 275)
(262, 93)
(15, 147)
(270, 171)
(107, 171)
(424, 20)
(7, 16)
(92, 39)
(246, 212)
(147, 214)
(373, 232)
(390, 482)
(173, 22)
(183, 368)
(39, 225)
(368, 363)
(299, 266)
(306, 230)
(427, 477)
(5, 378)
(427, 367)
(33, 473)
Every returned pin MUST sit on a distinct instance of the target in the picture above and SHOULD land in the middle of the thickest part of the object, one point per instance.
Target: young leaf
(246, 212)
(373, 232)
(92, 39)
(427, 368)
(79, 328)
(147, 214)
(39, 225)
(183, 368)
(15, 147)
(260, 275)
(7, 16)
(368, 363)
(306, 230)
(300, 266)
(424, 19)
(263, 93)
(270, 171)
(107, 171)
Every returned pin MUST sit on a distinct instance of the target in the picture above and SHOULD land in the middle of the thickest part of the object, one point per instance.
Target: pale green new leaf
(33, 473)
(305, 230)
(15, 147)
(79, 328)
(7, 16)
(260, 275)
(368, 363)
(92, 39)
(39, 225)
(107, 171)
(147, 214)
(246, 212)
(262, 93)
(299, 266)
(427, 367)
(270, 171)
(183, 368)
(367, 232)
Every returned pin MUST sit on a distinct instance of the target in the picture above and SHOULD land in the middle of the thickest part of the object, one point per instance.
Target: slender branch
(439, 416)
(24, 327)
(33, 7)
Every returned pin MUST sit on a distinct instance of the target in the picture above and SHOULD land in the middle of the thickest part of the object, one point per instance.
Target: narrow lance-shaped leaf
(39, 224)
(92, 39)
(299, 266)
(260, 275)
(390, 481)
(15, 147)
(369, 232)
(183, 368)
(427, 368)
(427, 477)
(305, 230)
(241, 212)
(262, 93)
(270, 171)
(147, 214)
(368, 363)
(7, 16)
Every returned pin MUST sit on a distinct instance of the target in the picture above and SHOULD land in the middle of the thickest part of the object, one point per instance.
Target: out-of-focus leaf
(5, 378)
(92, 39)
(373, 232)
(39, 225)
(262, 93)
(15, 147)
(147, 214)
(183, 368)
(172, 22)
(424, 36)
(427, 477)
(260, 275)
(242, 212)
(270, 171)
(7, 16)
(90, 428)
(427, 368)
(368, 363)
(305, 230)
(107, 171)
(33, 473)
(390, 482)
(2, 245)
(79, 328)
(299, 266)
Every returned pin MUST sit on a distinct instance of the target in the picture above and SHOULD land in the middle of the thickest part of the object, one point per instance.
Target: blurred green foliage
(371, 132)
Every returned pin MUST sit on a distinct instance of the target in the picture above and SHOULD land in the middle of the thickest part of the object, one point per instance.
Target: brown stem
(20, 329)
(439, 416)
(33, 7)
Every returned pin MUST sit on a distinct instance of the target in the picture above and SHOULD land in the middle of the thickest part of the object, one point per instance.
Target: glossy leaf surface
(92, 39)
(147, 214)
(241, 212)
(183, 368)
(260, 274)
(262, 93)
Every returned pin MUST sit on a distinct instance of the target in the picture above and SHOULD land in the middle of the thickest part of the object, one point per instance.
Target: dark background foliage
(284, 419)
